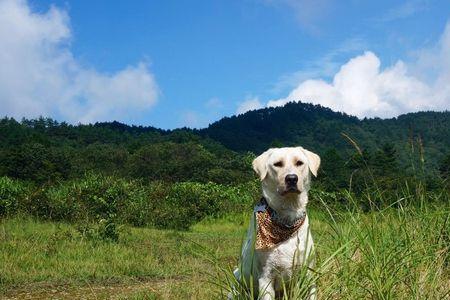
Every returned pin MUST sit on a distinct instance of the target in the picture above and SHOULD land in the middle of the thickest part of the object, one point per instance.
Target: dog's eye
(278, 164)
(299, 163)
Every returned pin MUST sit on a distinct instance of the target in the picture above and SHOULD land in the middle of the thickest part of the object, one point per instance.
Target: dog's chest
(285, 255)
(282, 258)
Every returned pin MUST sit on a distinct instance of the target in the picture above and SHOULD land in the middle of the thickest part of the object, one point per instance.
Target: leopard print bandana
(270, 231)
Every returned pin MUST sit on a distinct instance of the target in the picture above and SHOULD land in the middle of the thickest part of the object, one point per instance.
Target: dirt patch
(43, 291)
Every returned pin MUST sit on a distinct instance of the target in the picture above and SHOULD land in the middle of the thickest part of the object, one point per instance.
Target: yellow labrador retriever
(278, 238)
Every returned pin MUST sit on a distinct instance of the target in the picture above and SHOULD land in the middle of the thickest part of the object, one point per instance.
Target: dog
(278, 238)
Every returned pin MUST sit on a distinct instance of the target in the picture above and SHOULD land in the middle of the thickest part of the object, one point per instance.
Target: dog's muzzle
(291, 181)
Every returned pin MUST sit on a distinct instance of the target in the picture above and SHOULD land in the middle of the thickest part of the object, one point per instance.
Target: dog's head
(285, 171)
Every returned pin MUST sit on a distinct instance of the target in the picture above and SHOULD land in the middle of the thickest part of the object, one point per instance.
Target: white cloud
(40, 76)
(249, 104)
(325, 66)
(363, 89)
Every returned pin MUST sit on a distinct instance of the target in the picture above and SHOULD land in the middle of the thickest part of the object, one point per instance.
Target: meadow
(398, 250)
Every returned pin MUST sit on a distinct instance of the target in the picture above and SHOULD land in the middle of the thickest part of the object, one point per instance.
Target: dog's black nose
(291, 179)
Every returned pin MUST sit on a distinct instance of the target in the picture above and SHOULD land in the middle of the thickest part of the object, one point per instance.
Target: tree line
(101, 175)
(44, 150)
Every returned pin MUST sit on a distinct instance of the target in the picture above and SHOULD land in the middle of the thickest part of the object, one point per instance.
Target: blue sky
(188, 63)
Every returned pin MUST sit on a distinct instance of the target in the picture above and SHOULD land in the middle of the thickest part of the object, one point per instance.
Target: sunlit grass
(395, 253)
(400, 252)
(33, 253)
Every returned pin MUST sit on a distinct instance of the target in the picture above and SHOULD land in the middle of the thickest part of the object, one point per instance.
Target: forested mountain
(44, 150)
(320, 129)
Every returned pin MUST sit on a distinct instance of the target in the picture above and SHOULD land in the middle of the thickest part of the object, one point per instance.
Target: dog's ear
(260, 164)
(313, 160)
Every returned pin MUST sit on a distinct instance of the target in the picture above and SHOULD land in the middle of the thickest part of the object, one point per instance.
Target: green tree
(33, 162)
(172, 162)
(333, 173)
(385, 161)
(444, 168)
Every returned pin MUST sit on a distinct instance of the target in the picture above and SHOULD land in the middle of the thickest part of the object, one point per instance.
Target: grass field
(36, 257)
(400, 253)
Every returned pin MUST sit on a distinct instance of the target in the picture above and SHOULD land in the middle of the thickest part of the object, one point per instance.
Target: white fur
(269, 268)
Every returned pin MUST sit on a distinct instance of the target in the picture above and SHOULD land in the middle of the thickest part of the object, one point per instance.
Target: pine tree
(444, 169)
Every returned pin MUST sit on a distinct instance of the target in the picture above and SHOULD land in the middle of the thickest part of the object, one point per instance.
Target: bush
(101, 202)
(116, 201)
(92, 198)
(11, 192)
(97, 197)
(143, 203)
(97, 201)
(104, 229)
(190, 202)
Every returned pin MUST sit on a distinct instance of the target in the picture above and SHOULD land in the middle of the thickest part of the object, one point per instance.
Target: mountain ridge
(320, 128)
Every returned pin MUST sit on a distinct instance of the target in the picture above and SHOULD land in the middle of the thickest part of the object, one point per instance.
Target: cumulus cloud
(325, 66)
(249, 104)
(40, 76)
(362, 88)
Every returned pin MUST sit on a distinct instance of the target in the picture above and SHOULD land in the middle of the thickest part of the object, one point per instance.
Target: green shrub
(104, 229)
(11, 191)
(143, 203)
(98, 197)
(101, 202)
(92, 197)
(36, 203)
(95, 200)
(190, 202)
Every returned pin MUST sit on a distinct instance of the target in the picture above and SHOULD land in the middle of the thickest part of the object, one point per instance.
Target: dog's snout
(291, 179)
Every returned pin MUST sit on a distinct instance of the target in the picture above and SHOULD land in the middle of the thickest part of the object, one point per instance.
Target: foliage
(101, 203)
(44, 150)
(11, 193)
(189, 202)
(319, 128)
(445, 167)
(169, 162)
(411, 145)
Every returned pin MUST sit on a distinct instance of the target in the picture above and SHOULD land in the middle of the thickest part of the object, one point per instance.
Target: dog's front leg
(312, 295)
(266, 288)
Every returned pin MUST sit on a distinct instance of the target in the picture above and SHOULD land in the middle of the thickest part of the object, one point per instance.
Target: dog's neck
(288, 208)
